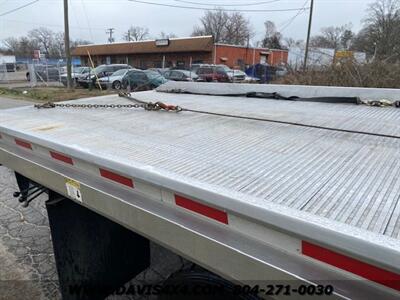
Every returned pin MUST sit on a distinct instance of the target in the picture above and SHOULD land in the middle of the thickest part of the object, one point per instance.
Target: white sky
(89, 19)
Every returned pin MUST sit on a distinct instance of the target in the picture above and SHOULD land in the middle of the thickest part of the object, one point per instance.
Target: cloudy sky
(89, 19)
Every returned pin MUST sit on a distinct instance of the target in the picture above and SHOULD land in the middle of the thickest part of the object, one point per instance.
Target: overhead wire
(52, 25)
(87, 20)
(290, 21)
(18, 8)
(224, 5)
(74, 13)
(215, 9)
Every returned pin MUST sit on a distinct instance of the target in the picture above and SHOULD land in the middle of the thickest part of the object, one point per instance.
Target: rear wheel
(117, 85)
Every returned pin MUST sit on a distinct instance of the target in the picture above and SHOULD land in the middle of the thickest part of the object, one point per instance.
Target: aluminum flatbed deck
(339, 190)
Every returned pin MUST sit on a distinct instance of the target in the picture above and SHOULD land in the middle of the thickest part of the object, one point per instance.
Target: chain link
(139, 104)
(74, 105)
(147, 106)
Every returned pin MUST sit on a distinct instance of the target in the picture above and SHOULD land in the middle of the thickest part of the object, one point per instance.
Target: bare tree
(163, 35)
(57, 45)
(12, 44)
(78, 42)
(336, 37)
(44, 37)
(272, 38)
(381, 33)
(347, 39)
(228, 28)
(22, 46)
(290, 42)
(213, 23)
(49, 42)
(238, 30)
(136, 33)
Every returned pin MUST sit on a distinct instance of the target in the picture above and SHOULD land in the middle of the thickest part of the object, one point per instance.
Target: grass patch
(54, 94)
(378, 74)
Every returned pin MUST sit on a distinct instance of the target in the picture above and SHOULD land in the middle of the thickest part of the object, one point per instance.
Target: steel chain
(71, 105)
(146, 106)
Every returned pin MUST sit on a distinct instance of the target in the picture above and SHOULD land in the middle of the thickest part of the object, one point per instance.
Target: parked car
(236, 75)
(281, 71)
(210, 73)
(181, 75)
(100, 72)
(142, 80)
(115, 80)
(195, 67)
(266, 73)
(45, 73)
(75, 74)
(10, 67)
(160, 70)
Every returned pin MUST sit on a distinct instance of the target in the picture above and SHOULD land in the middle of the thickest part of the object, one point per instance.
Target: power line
(290, 21)
(18, 8)
(74, 13)
(87, 20)
(110, 31)
(223, 5)
(52, 25)
(214, 9)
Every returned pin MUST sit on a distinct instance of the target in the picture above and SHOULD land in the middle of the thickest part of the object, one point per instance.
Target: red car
(213, 74)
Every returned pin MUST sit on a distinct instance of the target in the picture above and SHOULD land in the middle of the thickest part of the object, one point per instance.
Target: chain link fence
(35, 72)
(41, 72)
(3, 73)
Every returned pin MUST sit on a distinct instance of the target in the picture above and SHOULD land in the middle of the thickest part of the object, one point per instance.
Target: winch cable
(178, 108)
(175, 108)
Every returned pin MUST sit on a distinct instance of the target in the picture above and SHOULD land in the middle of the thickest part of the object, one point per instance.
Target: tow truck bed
(297, 189)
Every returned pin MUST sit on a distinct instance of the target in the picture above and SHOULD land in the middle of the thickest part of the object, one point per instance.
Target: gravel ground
(26, 253)
(27, 266)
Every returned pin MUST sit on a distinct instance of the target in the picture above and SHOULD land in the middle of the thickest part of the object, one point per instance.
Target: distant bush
(378, 74)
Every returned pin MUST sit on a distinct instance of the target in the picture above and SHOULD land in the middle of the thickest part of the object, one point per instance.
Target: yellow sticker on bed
(74, 190)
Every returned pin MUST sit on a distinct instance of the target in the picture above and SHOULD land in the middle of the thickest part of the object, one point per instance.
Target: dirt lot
(43, 94)
(19, 76)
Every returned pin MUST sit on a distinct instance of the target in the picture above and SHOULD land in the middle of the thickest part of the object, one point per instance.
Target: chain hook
(45, 105)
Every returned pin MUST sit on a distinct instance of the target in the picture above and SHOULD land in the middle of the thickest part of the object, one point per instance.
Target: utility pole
(129, 35)
(66, 42)
(308, 35)
(110, 31)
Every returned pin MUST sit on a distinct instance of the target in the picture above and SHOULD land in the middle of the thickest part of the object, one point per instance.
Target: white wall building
(317, 57)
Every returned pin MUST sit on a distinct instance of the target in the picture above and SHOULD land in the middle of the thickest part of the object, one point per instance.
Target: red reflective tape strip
(367, 271)
(61, 157)
(202, 209)
(23, 144)
(116, 177)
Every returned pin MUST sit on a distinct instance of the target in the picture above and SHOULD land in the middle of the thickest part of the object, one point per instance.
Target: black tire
(117, 85)
(214, 287)
(28, 77)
